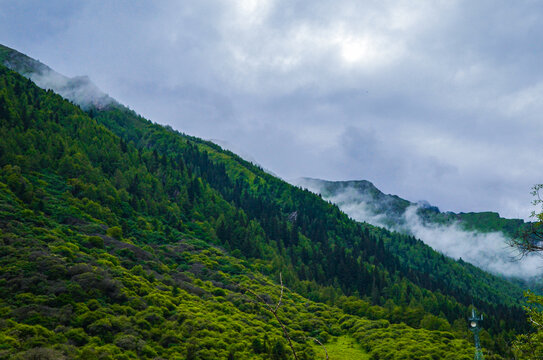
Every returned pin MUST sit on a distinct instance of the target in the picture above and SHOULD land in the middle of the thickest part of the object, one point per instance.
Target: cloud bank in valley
(489, 251)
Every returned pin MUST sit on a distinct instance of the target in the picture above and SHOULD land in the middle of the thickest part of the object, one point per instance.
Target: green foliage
(530, 346)
(94, 241)
(432, 322)
(341, 348)
(124, 239)
(115, 232)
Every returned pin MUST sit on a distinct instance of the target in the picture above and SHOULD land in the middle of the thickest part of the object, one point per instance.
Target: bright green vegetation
(120, 238)
(530, 346)
(400, 342)
(343, 348)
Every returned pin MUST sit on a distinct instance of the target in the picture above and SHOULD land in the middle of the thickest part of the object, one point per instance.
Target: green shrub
(115, 232)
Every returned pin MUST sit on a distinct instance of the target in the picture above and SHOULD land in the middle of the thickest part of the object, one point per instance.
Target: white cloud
(367, 50)
(489, 251)
(451, 102)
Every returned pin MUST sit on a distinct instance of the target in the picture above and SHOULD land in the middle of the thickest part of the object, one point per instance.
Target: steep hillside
(323, 234)
(122, 238)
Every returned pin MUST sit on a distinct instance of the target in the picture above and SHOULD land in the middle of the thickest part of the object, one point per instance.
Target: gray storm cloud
(425, 98)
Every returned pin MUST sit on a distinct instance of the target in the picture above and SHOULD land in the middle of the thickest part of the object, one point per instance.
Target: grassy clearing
(343, 348)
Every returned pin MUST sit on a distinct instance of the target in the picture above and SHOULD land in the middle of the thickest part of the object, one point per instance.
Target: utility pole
(475, 328)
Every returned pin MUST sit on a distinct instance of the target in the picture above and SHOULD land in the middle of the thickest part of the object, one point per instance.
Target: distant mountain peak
(328, 185)
(79, 89)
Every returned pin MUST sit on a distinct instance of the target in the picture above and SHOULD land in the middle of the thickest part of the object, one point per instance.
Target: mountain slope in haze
(125, 238)
(389, 210)
(479, 238)
(79, 89)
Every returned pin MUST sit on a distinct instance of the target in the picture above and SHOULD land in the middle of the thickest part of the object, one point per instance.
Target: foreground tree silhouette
(530, 346)
(531, 239)
(274, 309)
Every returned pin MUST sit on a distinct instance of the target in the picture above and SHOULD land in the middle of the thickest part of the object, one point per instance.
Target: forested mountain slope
(122, 238)
(327, 244)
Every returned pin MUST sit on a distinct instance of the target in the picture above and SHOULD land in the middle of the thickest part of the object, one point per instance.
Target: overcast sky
(433, 100)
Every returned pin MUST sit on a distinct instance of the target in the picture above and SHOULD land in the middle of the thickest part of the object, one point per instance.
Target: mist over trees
(122, 239)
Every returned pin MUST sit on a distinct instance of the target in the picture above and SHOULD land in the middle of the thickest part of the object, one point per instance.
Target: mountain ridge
(480, 238)
(124, 228)
(79, 89)
(393, 207)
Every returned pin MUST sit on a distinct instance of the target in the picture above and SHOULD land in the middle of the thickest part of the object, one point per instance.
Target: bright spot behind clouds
(424, 99)
(365, 50)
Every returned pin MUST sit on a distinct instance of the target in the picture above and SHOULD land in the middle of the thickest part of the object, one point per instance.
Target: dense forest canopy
(121, 238)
